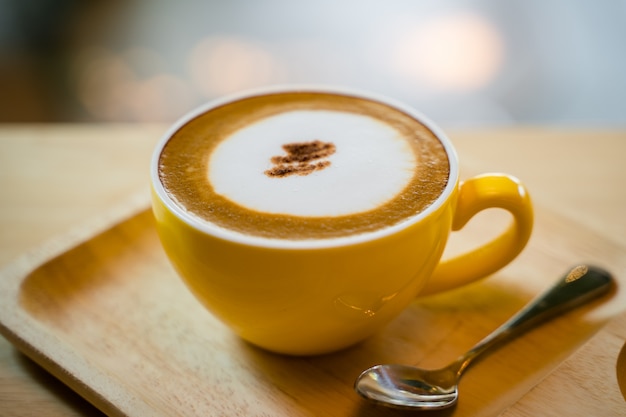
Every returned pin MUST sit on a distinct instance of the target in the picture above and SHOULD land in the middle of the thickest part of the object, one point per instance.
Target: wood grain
(586, 384)
(104, 299)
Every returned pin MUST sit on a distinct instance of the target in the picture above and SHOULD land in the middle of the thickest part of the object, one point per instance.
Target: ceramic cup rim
(316, 243)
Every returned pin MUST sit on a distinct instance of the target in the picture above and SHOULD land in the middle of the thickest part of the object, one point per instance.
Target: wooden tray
(595, 373)
(103, 311)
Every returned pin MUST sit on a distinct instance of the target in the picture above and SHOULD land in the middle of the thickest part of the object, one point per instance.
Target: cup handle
(477, 194)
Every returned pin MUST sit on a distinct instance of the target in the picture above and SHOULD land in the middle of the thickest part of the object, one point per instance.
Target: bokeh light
(457, 52)
(221, 65)
(129, 86)
(460, 62)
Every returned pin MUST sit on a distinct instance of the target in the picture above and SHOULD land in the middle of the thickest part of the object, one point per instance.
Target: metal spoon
(408, 387)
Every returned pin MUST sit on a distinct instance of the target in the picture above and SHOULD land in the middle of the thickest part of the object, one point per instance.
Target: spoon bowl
(408, 387)
(403, 386)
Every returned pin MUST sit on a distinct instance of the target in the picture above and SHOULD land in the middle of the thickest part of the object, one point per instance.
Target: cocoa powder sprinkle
(302, 158)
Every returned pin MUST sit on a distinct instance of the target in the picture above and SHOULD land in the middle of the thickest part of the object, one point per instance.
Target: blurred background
(463, 63)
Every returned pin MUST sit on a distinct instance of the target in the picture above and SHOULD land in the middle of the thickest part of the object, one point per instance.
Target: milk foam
(372, 164)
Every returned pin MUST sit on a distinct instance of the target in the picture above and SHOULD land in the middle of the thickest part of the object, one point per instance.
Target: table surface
(55, 176)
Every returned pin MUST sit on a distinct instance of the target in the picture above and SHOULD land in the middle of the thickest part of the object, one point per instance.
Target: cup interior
(160, 192)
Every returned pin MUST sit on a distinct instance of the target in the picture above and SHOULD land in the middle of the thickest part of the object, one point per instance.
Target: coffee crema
(303, 165)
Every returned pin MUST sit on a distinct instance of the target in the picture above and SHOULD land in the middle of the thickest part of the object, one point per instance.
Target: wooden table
(56, 176)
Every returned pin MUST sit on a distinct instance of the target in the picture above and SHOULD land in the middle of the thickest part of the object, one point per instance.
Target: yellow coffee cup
(314, 296)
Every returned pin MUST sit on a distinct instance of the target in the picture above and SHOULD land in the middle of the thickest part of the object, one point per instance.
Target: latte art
(301, 159)
(370, 164)
(303, 166)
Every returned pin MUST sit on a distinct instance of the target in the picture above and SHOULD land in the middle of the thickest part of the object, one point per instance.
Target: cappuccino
(303, 165)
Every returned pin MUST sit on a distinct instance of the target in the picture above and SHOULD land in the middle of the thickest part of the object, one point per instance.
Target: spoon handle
(581, 284)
